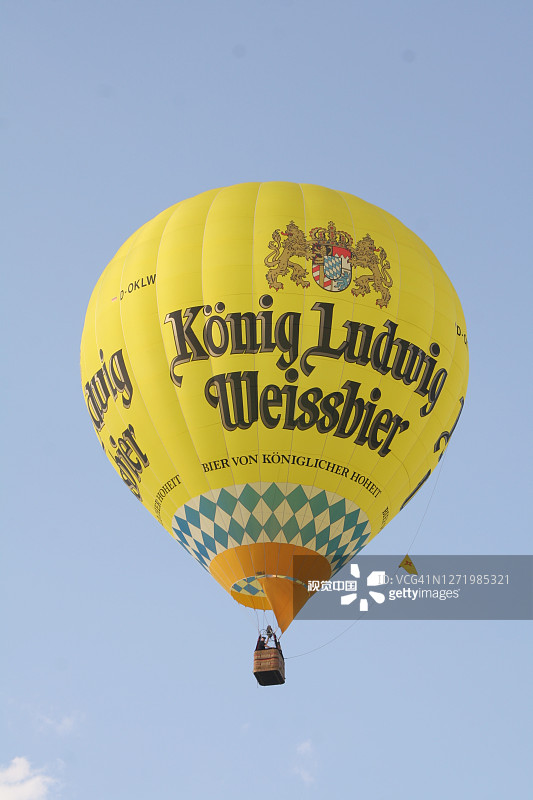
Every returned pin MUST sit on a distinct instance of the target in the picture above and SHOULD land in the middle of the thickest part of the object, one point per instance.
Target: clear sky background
(126, 671)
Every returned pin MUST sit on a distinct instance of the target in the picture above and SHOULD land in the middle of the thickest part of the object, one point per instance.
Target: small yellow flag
(408, 566)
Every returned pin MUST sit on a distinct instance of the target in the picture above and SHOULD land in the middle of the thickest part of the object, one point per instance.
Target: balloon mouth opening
(284, 595)
(253, 587)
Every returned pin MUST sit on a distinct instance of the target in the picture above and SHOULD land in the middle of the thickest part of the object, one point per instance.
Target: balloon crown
(332, 236)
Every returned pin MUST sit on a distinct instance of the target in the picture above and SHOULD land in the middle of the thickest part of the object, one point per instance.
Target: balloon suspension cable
(441, 460)
(330, 641)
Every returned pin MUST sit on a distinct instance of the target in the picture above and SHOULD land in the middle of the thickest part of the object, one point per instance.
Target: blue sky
(126, 672)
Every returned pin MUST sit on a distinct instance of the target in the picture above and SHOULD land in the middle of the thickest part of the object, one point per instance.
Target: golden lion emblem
(279, 262)
(334, 258)
(368, 256)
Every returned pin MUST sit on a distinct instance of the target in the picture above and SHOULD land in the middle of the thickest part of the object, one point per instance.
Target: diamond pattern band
(305, 516)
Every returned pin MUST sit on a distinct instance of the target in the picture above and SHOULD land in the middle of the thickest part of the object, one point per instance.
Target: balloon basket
(269, 667)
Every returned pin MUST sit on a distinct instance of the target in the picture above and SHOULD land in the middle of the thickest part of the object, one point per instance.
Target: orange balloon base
(283, 578)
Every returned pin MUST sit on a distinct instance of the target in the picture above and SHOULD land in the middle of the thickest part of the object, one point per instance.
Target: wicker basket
(269, 667)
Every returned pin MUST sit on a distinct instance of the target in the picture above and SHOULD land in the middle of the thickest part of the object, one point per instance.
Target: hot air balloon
(274, 370)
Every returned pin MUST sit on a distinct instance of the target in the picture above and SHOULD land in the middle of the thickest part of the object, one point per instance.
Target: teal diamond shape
(209, 542)
(273, 497)
(319, 503)
(249, 498)
(272, 527)
(200, 551)
(207, 507)
(182, 529)
(358, 530)
(291, 529)
(351, 519)
(337, 511)
(360, 542)
(253, 528)
(221, 535)
(192, 516)
(236, 531)
(297, 499)
(332, 546)
(308, 532)
(179, 534)
(226, 502)
(339, 554)
(322, 538)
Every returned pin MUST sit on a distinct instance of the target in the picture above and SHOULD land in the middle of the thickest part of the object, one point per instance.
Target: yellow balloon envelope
(274, 370)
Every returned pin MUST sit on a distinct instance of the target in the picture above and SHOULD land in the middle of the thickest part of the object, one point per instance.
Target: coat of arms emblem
(331, 257)
(334, 258)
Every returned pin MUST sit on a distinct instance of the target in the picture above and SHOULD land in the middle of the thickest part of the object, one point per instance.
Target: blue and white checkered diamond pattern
(270, 512)
(332, 266)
